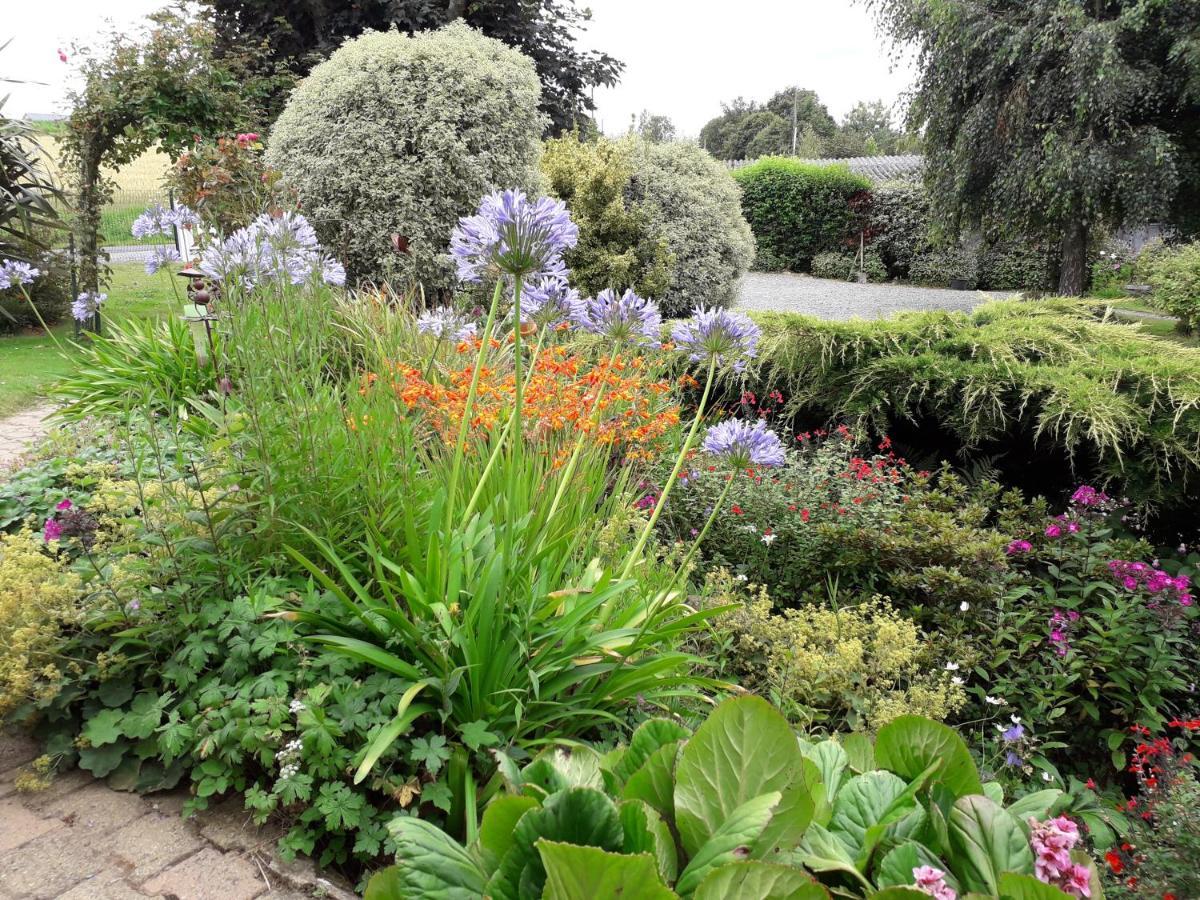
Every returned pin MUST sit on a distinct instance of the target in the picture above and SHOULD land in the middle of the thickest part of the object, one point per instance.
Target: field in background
(139, 185)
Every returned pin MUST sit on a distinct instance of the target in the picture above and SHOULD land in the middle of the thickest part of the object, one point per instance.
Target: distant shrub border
(1094, 393)
(797, 210)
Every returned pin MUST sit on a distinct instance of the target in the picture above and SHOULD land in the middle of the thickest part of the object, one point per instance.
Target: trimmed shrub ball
(400, 135)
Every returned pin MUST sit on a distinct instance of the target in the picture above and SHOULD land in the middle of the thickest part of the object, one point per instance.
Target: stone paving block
(96, 808)
(106, 885)
(209, 875)
(229, 826)
(16, 749)
(302, 874)
(47, 866)
(147, 845)
(19, 825)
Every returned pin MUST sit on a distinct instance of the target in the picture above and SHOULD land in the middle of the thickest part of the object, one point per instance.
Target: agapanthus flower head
(162, 256)
(184, 216)
(155, 220)
(550, 301)
(87, 305)
(729, 337)
(280, 248)
(512, 234)
(446, 323)
(742, 444)
(13, 272)
(624, 318)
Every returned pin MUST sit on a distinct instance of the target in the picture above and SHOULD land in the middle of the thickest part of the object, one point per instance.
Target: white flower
(1102, 253)
(767, 538)
(964, 606)
(956, 680)
(1045, 776)
(1016, 720)
(951, 667)
(741, 577)
(994, 701)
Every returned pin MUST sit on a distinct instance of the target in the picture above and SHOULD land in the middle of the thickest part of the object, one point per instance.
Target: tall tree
(1054, 117)
(301, 33)
(746, 129)
(655, 128)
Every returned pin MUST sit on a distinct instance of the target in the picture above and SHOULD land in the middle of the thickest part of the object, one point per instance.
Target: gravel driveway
(828, 299)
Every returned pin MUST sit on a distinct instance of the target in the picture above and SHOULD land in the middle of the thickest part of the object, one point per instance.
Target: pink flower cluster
(1060, 630)
(1134, 575)
(1085, 495)
(1018, 546)
(1052, 842)
(932, 881)
(52, 530)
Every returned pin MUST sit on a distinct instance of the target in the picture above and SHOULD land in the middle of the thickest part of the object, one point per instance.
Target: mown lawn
(30, 362)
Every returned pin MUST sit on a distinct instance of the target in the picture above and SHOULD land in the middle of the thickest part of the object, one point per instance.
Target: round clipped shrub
(1175, 277)
(694, 204)
(400, 135)
(833, 264)
(662, 218)
(797, 210)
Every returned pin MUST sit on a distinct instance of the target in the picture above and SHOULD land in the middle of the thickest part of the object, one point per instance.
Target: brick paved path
(18, 431)
(80, 840)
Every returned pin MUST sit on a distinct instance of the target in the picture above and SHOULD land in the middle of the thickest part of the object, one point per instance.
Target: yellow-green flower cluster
(38, 597)
(857, 667)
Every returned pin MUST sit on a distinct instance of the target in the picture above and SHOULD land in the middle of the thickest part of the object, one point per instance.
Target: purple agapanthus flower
(183, 216)
(13, 272)
(625, 318)
(445, 322)
(269, 249)
(1013, 733)
(744, 444)
(155, 220)
(162, 256)
(550, 301)
(87, 305)
(513, 234)
(729, 337)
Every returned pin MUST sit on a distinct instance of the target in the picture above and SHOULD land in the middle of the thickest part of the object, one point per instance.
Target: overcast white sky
(682, 57)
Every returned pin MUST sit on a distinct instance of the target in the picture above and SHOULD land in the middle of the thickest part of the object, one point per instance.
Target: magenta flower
(1017, 547)
(1053, 530)
(931, 881)
(51, 531)
(63, 504)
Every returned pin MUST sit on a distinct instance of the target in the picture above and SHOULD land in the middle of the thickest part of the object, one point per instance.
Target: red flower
(804, 515)
(1115, 862)
(737, 510)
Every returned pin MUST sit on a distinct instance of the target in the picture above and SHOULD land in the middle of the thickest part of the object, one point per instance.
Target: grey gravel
(828, 299)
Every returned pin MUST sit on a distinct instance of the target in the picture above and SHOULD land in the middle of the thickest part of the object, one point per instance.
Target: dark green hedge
(797, 210)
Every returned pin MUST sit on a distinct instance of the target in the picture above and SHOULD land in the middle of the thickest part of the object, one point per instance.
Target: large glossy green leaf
(1036, 804)
(743, 750)
(759, 881)
(586, 873)
(582, 816)
(558, 768)
(654, 782)
(831, 761)
(1026, 887)
(649, 736)
(860, 751)
(910, 744)
(862, 803)
(499, 822)
(733, 840)
(793, 815)
(823, 851)
(646, 832)
(430, 864)
(896, 867)
(986, 841)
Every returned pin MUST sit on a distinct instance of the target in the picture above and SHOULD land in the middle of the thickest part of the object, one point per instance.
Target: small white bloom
(956, 680)
(964, 606)
(767, 538)
(1016, 720)
(994, 701)
(1045, 776)
(741, 577)
(951, 667)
